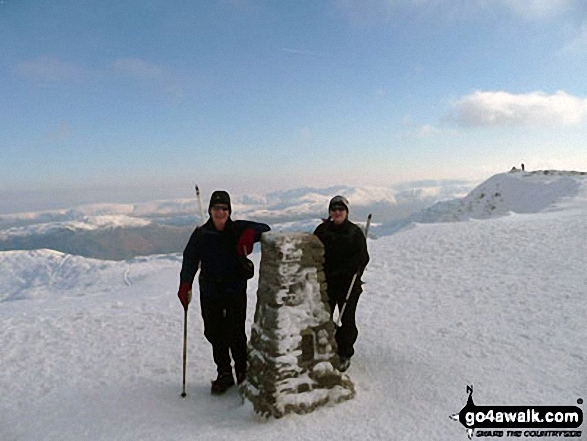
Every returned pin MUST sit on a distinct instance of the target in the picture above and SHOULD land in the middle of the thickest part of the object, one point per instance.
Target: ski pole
(185, 348)
(348, 294)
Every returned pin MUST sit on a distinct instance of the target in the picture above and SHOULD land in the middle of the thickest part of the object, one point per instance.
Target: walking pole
(348, 294)
(185, 348)
(185, 315)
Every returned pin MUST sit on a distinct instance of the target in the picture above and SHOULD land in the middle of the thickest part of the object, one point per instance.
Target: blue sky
(124, 101)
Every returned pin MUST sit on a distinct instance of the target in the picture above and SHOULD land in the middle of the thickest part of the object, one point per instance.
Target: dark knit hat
(220, 197)
(339, 201)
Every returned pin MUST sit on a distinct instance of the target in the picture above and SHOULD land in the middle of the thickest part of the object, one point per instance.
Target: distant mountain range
(123, 231)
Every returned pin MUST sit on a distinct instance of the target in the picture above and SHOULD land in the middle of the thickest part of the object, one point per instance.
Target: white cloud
(46, 69)
(492, 109)
(537, 9)
(369, 12)
(426, 131)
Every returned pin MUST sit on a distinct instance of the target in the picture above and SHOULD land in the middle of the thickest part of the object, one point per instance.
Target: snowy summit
(487, 290)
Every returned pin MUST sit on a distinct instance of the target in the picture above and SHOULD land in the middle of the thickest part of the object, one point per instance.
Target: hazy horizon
(30, 201)
(127, 100)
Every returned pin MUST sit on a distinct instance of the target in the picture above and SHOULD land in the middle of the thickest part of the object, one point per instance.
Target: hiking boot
(344, 364)
(223, 382)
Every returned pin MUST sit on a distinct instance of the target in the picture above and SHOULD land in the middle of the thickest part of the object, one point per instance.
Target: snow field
(497, 303)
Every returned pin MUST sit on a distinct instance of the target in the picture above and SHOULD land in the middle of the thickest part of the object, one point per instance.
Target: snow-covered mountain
(84, 223)
(281, 206)
(502, 194)
(93, 349)
(120, 231)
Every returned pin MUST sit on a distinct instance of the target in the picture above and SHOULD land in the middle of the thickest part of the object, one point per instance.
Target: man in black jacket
(220, 247)
(345, 253)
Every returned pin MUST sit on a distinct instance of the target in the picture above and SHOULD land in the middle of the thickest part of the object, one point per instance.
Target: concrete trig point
(292, 349)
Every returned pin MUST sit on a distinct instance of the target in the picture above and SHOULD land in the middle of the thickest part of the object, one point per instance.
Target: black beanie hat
(339, 201)
(220, 197)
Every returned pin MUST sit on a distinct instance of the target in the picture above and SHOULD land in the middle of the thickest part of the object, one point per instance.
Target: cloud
(495, 109)
(538, 9)
(425, 131)
(154, 76)
(369, 12)
(46, 69)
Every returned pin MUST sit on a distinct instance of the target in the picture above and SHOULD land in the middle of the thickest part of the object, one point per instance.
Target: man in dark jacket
(220, 247)
(345, 253)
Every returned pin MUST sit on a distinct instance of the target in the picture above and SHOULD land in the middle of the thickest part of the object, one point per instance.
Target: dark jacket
(345, 250)
(216, 251)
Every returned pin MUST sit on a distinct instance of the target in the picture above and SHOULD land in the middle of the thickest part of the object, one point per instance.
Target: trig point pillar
(292, 349)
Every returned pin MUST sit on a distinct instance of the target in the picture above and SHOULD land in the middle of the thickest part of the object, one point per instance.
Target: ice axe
(338, 322)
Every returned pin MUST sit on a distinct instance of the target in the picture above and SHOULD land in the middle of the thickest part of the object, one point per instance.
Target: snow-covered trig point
(292, 348)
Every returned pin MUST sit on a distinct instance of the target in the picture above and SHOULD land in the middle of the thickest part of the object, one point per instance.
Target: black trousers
(224, 311)
(347, 334)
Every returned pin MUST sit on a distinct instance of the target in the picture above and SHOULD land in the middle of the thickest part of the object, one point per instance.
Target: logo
(517, 421)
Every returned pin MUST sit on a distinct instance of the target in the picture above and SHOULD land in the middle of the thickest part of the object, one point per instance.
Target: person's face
(220, 215)
(338, 214)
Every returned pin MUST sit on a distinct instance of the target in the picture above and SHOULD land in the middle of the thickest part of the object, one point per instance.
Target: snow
(88, 223)
(502, 194)
(47, 274)
(93, 349)
(292, 210)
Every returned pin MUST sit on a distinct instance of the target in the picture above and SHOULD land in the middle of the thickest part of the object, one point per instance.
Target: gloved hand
(185, 294)
(245, 242)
